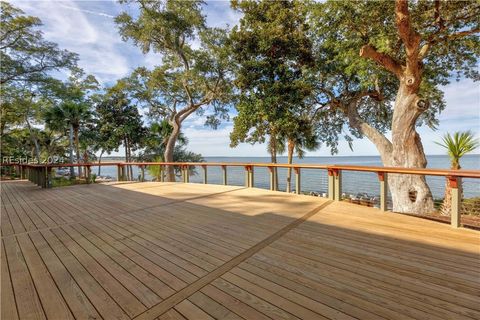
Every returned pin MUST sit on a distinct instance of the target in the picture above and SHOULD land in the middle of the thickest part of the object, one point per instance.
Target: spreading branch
(410, 38)
(383, 145)
(382, 59)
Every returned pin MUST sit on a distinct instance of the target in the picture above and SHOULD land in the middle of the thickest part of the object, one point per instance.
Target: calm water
(316, 180)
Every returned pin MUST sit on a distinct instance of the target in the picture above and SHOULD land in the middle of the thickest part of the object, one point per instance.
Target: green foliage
(156, 141)
(459, 144)
(449, 46)
(273, 58)
(194, 73)
(25, 55)
(118, 120)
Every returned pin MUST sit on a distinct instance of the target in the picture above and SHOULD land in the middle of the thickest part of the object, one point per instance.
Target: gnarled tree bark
(410, 193)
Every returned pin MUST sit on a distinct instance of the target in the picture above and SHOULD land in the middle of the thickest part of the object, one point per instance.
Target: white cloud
(90, 33)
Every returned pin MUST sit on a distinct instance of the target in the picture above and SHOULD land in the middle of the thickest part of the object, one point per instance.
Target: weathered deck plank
(189, 251)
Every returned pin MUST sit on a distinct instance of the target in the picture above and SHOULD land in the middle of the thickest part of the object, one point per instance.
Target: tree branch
(410, 38)
(383, 145)
(434, 40)
(389, 63)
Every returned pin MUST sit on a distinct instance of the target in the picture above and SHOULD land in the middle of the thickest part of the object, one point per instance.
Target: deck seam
(184, 293)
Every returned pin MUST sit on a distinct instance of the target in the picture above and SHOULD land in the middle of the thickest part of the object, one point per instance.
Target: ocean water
(314, 180)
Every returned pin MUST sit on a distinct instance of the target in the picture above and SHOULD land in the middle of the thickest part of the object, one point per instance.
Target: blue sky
(87, 28)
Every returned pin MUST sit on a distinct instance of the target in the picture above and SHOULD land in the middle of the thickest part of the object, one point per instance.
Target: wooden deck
(190, 251)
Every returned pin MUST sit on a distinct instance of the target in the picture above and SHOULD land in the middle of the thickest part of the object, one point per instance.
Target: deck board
(191, 251)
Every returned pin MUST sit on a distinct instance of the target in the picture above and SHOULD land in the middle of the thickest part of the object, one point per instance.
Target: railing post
(88, 174)
(162, 176)
(49, 183)
(331, 184)
(205, 178)
(124, 173)
(383, 178)
(119, 172)
(455, 184)
(250, 177)
(142, 173)
(297, 181)
(272, 181)
(187, 173)
(43, 177)
(224, 170)
(338, 184)
(247, 180)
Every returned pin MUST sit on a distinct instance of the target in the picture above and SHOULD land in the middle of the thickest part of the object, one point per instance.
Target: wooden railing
(42, 176)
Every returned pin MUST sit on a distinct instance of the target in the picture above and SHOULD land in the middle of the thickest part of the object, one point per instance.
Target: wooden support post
(455, 184)
(250, 177)
(162, 177)
(43, 177)
(182, 169)
(142, 173)
(383, 178)
(225, 181)
(272, 178)
(187, 174)
(331, 185)
(119, 172)
(297, 181)
(247, 180)
(124, 173)
(205, 178)
(88, 174)
(49, 182)
(338, 184)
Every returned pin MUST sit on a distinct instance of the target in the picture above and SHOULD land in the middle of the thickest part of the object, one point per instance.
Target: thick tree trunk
(130, 168)
(290, 149)
(70, 135)
(77, 149)
(170, 147)
(410, 193)
(99, 162)
(273, 156)
(34, 140)
(125, 144)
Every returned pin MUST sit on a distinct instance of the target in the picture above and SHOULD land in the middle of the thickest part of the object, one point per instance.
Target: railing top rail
(419, 171)
(395, 170)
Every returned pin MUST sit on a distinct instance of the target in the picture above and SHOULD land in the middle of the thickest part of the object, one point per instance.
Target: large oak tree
(380, 68)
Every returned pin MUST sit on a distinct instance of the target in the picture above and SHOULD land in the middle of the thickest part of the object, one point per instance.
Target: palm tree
(457, 146)
(71, 116)
(298, 141)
